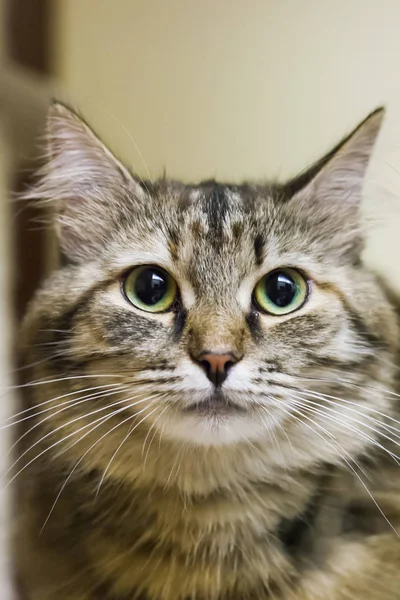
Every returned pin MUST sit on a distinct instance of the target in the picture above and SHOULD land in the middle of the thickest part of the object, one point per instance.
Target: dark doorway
(27, 30)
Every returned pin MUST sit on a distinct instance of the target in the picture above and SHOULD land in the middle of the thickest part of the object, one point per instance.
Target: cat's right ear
(84, 182)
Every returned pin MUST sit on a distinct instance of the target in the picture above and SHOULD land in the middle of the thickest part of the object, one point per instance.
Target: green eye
(150, 288)
(281, 292)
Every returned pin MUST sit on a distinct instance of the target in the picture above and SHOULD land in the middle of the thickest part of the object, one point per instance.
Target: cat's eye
(150, 288)
(281, 292)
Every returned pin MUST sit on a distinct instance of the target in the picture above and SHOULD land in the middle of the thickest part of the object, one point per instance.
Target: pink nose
(216, 365)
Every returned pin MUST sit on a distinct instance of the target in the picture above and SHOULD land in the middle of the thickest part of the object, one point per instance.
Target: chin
(213, 428)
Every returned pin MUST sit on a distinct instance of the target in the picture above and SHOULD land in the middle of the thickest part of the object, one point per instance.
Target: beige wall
(238, 88)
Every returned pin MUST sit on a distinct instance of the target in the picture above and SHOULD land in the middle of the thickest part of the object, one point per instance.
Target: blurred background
(232, 89)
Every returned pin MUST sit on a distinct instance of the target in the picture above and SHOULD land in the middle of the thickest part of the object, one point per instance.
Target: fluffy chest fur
(270, 538)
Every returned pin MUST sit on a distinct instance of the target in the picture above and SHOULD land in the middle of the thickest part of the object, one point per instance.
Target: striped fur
(126, 492)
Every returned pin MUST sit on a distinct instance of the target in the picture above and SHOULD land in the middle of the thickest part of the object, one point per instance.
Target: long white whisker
(345, 425)
(82, 390)
(350, 466)
(332, 436)
(63, 425)
(58, 380)
(82, 458)
(282, 429)
(352, 403)
(290, 413)
(131, 405)
(130, 431)
(379, 425)
(177, 462)
(152, 427)
(75, 402)
(347, 383)
(58, 442)
(67, 404)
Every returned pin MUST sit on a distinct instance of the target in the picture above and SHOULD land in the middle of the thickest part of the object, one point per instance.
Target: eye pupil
(280, 289)
(151, 286)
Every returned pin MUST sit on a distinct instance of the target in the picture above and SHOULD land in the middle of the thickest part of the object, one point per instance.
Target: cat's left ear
(336, 181)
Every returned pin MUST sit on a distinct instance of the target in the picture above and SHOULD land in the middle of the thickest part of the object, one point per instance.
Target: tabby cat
(212, 410)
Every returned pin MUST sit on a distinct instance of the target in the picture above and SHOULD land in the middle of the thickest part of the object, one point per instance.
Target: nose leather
(216, 365)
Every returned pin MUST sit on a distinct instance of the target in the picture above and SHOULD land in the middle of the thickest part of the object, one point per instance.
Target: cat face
(225, 313)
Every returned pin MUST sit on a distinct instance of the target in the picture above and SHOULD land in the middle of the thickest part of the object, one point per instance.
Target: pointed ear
(84, 181)
(336, 181)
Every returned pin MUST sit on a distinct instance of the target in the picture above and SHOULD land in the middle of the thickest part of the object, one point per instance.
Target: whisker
(362, 388)
(54, 331)
(75, 403)
(153, 426)
(58, 380)
(346, 382)
(132, 405)
(333, 437)
(345, 425)
(277, 424)
(68, 436)
(363, 484)
(81, 459)
(178, 457)
(66, 403)
(382, 425)
(130, 431)
(273, 436)
(290, 413)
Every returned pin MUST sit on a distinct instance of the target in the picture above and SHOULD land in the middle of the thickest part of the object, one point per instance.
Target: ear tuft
(72, 144)
(339, 176)
(84, 181)
(328, 196)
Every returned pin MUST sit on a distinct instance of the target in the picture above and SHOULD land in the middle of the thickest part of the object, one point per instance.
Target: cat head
(210, 314)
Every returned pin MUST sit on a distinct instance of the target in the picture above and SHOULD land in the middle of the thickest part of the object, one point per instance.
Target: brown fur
(294, 495)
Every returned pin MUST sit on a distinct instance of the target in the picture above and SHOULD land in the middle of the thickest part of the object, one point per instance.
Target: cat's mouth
(215, 404)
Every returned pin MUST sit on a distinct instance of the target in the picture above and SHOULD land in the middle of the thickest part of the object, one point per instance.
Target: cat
(212, 407)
